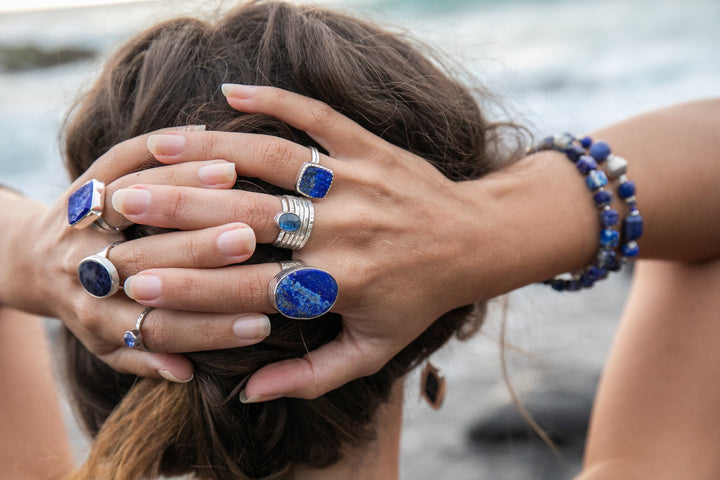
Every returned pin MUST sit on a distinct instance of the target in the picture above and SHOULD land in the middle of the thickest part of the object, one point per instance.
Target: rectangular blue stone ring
(85, 204)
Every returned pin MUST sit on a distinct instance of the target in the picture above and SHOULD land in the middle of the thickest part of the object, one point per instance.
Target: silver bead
(616, 166)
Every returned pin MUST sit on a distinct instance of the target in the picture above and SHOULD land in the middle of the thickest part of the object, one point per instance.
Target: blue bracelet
(586, 156)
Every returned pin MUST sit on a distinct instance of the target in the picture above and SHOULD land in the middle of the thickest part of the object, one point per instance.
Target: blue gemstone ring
(314, 180)
(133, 338)
(85, 207)
(98, 275)
(295, 222)
(302, 292)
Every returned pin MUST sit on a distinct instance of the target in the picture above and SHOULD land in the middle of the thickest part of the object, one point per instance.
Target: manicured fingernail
(236, 242)
(172, 378)
(251, 327)
(217, 173)
(236, 90)
(131, 201)
(166, 144)
(191, 128)
(143, 287)
(258, 398)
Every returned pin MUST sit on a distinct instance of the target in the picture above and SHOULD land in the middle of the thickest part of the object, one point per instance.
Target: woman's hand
(41, 253)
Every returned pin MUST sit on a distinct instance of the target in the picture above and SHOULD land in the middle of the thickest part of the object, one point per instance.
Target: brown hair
(171, 75)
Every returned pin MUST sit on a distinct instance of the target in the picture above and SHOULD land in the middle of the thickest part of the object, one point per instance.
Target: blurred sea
(556, 65)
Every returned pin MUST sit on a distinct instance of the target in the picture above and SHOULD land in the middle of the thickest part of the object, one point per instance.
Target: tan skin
(676, 199)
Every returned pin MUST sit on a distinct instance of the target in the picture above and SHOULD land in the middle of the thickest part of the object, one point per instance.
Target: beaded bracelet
(586, 156)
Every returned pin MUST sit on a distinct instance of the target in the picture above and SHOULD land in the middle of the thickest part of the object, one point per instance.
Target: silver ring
(97, 274)
(133, 338)
(85, 207)
(295, 222)
(314, 180)
(302, 293)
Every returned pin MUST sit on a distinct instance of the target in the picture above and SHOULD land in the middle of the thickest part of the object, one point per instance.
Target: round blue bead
(602, 198)
(632, 227)
(596, 179)
(586, 142)
(609, 217)
(586, 280)
(609, 238)
(586, 164)
(596, 273)
(630, 249)
(600, 151)
(606, 259)
(574, 152)
(289, 222)
(574, 285)
(626, 189)
(558, 284)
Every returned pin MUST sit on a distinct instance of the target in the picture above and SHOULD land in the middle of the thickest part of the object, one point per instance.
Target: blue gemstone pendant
(303, 292)
(98, 276)
(314, 180)
(85, 205)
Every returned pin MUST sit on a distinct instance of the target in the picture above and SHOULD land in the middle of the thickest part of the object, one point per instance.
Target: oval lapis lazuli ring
(302, 293)
(97, 274)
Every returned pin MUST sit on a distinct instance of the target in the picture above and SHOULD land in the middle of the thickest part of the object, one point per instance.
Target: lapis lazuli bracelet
(586, 156)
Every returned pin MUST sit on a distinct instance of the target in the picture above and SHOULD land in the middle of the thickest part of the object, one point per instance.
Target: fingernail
(166, 144)
(191, 128)
(236, 242)
(131, 201)
(252, 326)
(143, 287)
(258, 398)
(217, 173)
(172, 378)
(236, 90)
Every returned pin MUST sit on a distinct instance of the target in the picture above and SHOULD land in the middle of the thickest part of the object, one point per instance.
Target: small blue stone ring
(133, 338)
(85, 207)
(295, 222)
(98, 275)
(314, 180)
(302, 293)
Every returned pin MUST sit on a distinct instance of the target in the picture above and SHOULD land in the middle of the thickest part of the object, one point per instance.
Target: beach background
(555, 65)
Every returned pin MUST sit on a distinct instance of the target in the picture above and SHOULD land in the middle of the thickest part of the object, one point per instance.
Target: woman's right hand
(41, 253)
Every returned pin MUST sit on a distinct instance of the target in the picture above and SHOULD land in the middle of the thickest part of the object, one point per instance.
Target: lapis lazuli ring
(295, 222)
(98, 275)
(133, 338)
(301, 292)
(85, 207)
(314, 180)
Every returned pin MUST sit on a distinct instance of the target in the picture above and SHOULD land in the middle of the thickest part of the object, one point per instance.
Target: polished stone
(314, 181)
(95, 277)
(80, 203)
(289, 222)
(305, 293)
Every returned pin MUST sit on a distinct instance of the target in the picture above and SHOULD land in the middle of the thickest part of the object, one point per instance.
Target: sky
(25, 5)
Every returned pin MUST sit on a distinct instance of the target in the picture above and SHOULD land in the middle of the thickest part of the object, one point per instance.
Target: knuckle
(157, 332)
(250, 295)
(176, 205)
(323, 114)
(278, 154)
(250, 210)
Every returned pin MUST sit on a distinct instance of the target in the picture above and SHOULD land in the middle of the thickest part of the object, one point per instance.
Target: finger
(210, 248)
(317, 373)
(187, 208)
(173, 367)
(240, 288)
(213, 174)
(337, 134)
(275, 160)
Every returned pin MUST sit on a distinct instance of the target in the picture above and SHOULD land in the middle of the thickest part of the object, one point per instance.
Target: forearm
(33, 442)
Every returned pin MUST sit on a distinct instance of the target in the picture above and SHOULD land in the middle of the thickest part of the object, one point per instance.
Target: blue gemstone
(586, 142)
(574, 152)
(603, 197)
(596, 273)
(80, 203)
(95, 278)
(630, 249)
(586, 280)
(609, 238)
(586, 164)
(606, 259)
(129, 339)
(305, 293)
(609, 217)
(574, 285)
(632, 227)
(626, 189)
(289, 222)
(315, 181)
(558, 284)
(596, 179)
(600, 150)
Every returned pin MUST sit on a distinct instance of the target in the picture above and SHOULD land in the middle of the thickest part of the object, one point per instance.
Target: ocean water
(555, 65)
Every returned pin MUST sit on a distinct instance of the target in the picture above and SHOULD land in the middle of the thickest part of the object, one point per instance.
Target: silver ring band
(133, 338)
(102, 226)
(295, 222)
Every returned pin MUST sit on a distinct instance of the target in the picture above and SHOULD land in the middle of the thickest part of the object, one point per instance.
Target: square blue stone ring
(98, 275)
(314, 180)
(302, 293)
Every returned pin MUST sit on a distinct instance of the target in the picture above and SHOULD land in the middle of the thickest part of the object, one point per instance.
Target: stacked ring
(314, 180)
(97, 274)
(302, 293)
(295, 222)
(133, 338)
(85, 207)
